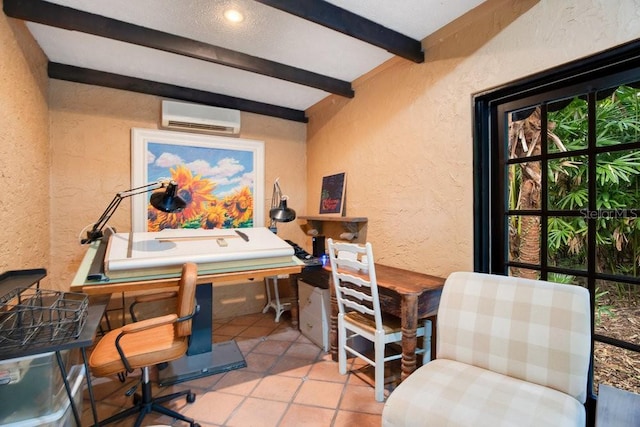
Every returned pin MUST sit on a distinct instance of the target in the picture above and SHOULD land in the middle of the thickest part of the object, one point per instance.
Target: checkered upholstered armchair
(510, 352)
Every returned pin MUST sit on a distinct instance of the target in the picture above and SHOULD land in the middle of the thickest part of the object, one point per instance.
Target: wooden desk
(200, 360)
(406, 294)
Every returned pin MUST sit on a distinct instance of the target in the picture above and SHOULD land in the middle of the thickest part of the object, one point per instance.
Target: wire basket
(39, 316)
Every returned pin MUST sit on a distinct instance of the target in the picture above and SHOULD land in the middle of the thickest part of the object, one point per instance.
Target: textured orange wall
(24, 150)
(91, 161)
(405, 140)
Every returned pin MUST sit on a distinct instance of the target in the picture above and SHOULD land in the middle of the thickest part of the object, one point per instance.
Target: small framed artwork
(221, 179)
(333, 194)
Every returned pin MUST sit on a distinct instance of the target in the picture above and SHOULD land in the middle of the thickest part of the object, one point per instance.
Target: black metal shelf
(10, 280)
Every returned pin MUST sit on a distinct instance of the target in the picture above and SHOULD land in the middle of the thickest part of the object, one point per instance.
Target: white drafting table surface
(216, 248)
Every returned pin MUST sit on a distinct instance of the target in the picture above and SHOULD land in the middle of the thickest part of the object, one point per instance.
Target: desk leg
(201, 330)
(409, 332)
(293, 283)
(203, 358)
(333, 324)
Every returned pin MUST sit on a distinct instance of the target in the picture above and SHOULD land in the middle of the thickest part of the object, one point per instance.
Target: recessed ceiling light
(233, 15)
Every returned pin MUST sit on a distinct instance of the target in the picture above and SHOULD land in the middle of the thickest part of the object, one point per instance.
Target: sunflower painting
(216, 178)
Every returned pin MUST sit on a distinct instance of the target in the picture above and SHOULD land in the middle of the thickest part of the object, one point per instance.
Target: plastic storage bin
(30, 386)
(61, 414)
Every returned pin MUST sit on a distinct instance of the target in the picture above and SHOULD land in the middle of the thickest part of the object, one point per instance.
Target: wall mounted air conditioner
(200, 118)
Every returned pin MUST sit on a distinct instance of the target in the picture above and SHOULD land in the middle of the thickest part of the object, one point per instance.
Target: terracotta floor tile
(285, 334)
(291, 366)
(350, 419)
(246, 344)
(319, 393)
(272, 347)
(247, 320)
(277, 387)
(231, 330)
(327, 371)
(258, 413)
(256, 331)
(361, 399)
(260, 363)
(305, 351)
(307, 416)
(288, 382)
(303, 340)
(222, 338)
(204, 383)
(213, 407)
(240, 382)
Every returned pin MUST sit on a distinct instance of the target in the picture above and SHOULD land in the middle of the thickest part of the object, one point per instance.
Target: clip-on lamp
(166, 201)
(279, 212)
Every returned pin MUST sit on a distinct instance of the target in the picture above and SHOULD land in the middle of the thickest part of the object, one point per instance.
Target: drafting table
(251, 263)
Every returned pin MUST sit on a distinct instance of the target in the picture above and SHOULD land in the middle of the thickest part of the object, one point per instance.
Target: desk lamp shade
(279, 212)
(168, 201)
(282, 213)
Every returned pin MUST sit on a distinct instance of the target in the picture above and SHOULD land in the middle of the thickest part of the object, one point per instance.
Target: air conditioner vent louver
(199, 126)
(202, 118)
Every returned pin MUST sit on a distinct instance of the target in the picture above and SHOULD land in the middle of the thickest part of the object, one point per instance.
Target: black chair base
(145, 404)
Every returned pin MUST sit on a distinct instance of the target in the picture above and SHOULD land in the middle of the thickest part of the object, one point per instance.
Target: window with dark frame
(557, 194)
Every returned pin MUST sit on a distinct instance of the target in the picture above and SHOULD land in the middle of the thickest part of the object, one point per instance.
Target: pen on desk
(244, 236)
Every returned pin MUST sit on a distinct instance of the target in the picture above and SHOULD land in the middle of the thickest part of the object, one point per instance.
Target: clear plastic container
(62, 413)
(30, 386)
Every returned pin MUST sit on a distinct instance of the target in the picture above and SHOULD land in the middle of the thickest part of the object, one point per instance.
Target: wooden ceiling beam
(338, 19)
(54, 15)
(116, 81)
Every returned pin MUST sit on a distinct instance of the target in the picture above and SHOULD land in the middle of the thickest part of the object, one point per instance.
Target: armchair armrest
(139, 327)
(148, 324)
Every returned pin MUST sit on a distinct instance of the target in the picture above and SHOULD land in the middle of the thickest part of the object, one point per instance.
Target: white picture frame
(198, 162)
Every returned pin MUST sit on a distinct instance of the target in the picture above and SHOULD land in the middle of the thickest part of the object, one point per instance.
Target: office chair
(146, 343)
(359, 314)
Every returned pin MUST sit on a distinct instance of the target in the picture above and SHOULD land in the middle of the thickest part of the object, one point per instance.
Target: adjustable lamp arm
(96, 230)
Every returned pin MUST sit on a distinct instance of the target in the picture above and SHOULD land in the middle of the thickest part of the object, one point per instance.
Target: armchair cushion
(449, 393)
(532, 330)
(510, 352)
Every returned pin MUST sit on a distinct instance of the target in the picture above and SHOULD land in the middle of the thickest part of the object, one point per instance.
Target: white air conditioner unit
(200, 118)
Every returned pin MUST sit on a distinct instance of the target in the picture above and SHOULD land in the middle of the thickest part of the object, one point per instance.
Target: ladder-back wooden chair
(359, 313)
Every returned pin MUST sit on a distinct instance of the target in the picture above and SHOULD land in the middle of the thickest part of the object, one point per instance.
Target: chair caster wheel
(191, 397)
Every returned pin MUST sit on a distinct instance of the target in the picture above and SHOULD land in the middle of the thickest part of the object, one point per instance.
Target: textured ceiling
(266, 32)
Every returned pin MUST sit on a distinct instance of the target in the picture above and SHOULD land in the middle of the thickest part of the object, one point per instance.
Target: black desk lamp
(279, 212)
(165, 201)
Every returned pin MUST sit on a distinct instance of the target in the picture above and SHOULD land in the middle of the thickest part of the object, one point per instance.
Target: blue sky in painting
(229, 169)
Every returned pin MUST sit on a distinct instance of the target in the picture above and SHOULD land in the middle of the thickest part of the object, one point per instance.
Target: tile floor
(288, 381)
